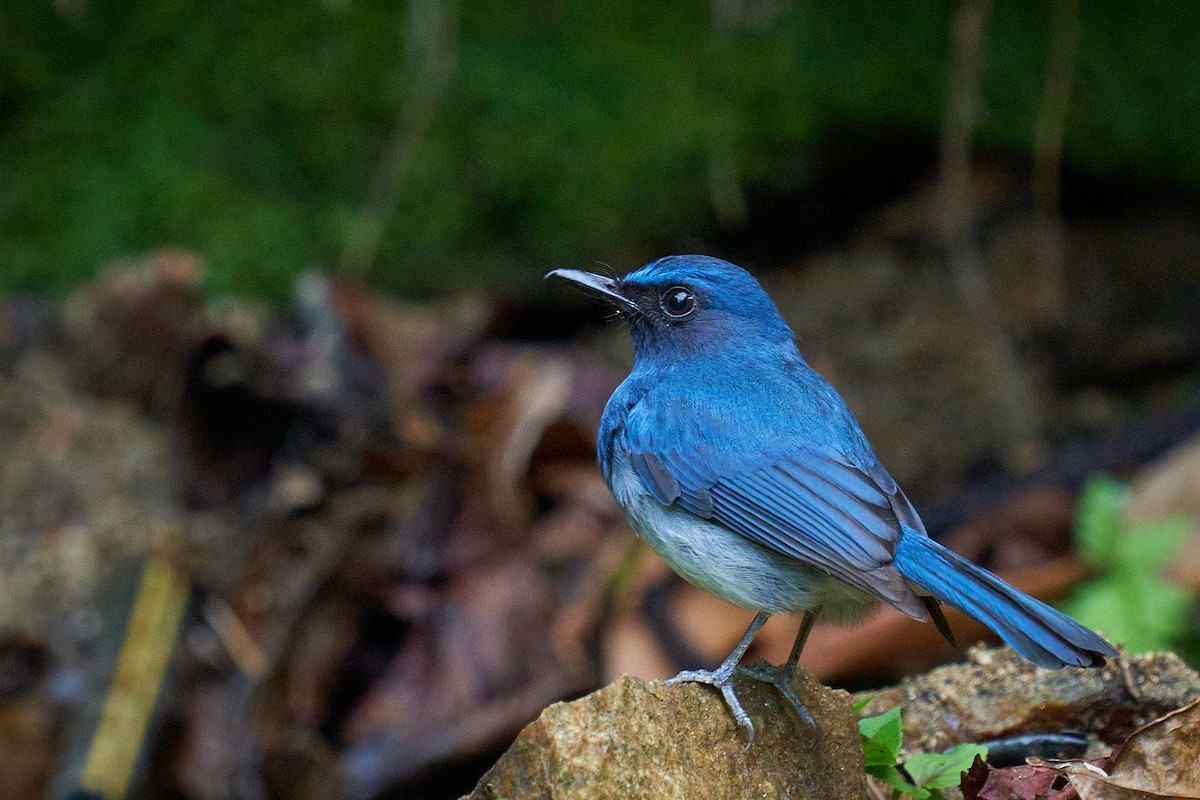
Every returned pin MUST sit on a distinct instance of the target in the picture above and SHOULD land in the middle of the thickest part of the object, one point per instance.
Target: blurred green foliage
(570, 131)
(1129, 601)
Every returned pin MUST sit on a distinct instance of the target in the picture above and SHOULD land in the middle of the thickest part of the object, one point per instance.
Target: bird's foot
(721, 678)
(781, 678)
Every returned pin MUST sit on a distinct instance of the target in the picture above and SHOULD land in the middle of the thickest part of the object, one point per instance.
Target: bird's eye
(677, 302)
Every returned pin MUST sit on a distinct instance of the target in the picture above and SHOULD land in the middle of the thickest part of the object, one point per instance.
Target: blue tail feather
(1044, 635)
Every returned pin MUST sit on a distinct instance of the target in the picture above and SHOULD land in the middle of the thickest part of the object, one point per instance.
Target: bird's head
(682, 306)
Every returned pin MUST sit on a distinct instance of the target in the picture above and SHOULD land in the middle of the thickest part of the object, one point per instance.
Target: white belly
(725, 563)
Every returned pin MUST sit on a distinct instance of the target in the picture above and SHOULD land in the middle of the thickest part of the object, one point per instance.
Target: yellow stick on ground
(149, 642)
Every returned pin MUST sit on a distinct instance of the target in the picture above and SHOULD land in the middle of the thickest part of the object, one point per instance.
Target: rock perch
(632, 739)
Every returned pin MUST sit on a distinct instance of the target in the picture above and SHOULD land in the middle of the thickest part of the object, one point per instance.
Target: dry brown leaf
(1159, 760)
(1168, 486)
(1024, 782)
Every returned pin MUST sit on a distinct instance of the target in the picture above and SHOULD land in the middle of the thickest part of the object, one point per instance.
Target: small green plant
(1129, 601)
(924, 775)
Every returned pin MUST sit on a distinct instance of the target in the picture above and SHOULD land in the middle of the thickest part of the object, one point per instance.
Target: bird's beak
(600, 285)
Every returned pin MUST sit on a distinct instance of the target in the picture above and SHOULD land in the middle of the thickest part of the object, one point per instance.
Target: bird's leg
(806, 625)
(781, 677)
(722, 676)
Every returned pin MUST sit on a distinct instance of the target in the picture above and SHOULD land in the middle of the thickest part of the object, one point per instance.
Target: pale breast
(722, 562)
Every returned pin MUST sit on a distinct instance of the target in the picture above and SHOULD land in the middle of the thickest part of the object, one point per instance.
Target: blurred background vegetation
(430, 145)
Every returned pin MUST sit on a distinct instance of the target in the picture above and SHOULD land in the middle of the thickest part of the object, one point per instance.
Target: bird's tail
(1038, 632)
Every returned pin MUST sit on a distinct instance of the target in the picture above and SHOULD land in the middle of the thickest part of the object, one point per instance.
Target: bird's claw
(723, 680)
(781, 679)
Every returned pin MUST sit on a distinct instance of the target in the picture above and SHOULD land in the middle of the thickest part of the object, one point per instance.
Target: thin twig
(967, 50)
(433, 56)
(1010, 385)
(1047, 155)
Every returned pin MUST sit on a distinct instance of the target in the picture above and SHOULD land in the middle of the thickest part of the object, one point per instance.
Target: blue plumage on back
(749, 475)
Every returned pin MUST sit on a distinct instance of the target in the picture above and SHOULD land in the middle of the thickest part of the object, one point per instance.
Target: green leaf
(877, 754)
(882, 736)
(1148, 547)
(862, 703)
(1101, 604)
(1129, 602)
(1156, 612)
(943, 770)
(1098, 522)
(1138, 610)
(894, 778)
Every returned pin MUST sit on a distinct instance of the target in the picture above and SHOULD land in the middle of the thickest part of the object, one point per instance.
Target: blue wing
(816, 504)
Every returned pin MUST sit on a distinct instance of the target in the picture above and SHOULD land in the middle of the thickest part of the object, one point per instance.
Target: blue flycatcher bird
(748, 474)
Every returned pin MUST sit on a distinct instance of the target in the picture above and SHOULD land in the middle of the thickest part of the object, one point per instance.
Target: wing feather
(808, 504)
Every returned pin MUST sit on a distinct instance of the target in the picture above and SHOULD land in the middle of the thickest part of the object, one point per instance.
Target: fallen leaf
(1025, 782)
(1159, 760)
